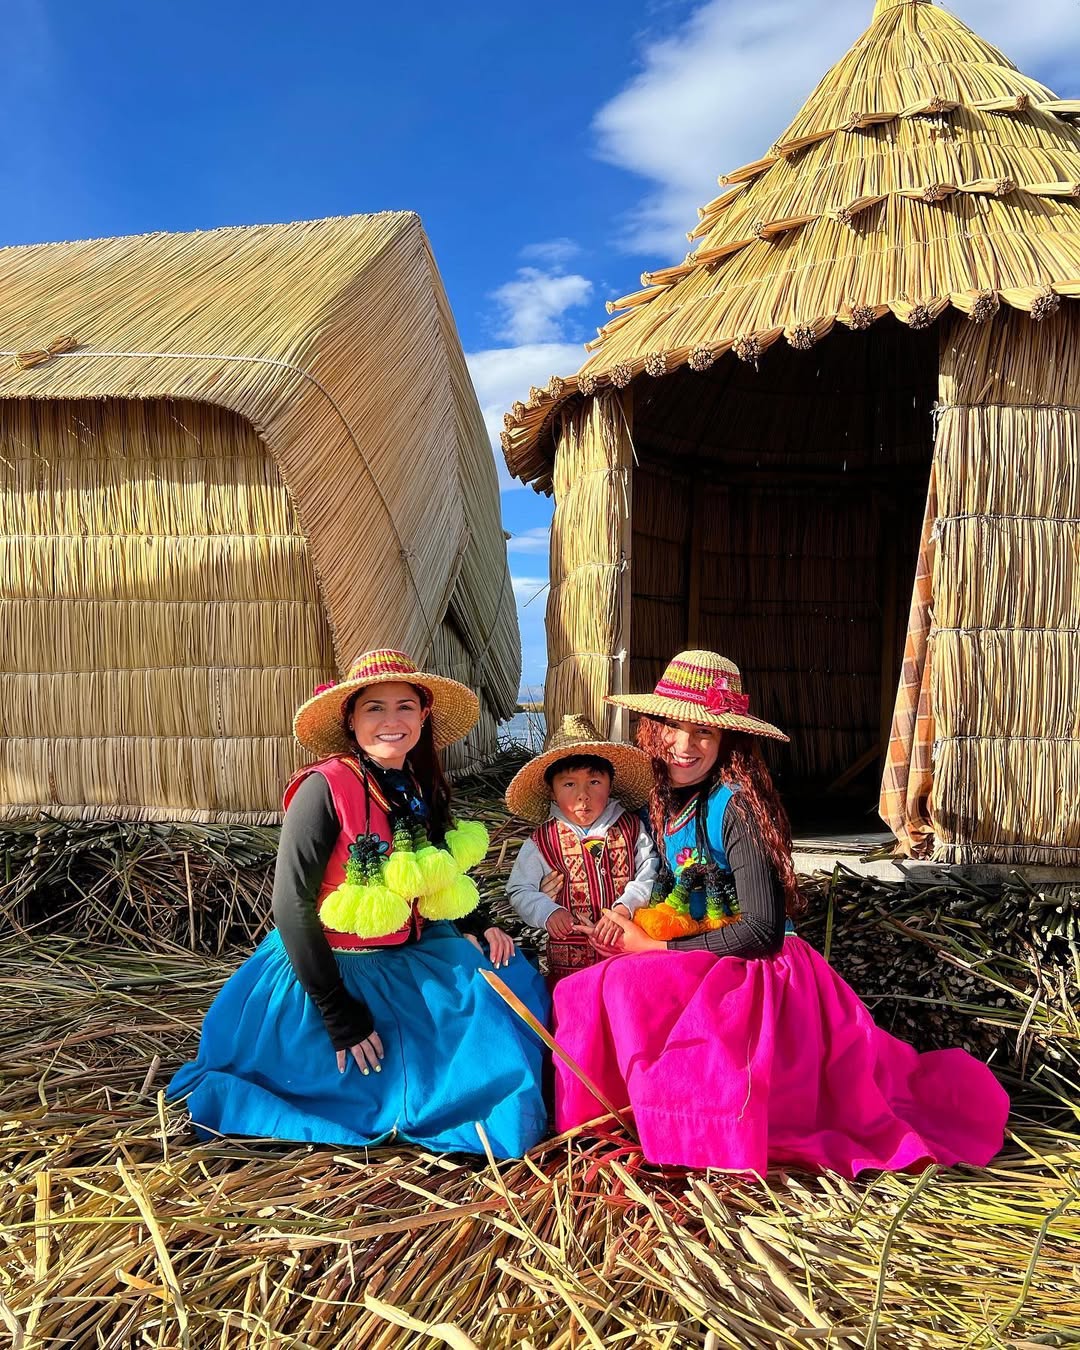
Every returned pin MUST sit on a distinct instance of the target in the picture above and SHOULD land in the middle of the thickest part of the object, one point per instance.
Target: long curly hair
(739, 764)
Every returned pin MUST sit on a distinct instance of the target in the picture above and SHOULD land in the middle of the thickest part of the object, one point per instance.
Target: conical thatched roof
(924, 171)
(335, 341)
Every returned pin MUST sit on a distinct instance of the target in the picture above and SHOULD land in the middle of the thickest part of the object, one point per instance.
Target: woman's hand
(631, 937)
(367, 1053)
(501, 948)
(552, 885)
(607, 932)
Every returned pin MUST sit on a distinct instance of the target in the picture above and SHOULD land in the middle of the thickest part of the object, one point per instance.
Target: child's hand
(500, 946)
(552, 885)
(560, 924)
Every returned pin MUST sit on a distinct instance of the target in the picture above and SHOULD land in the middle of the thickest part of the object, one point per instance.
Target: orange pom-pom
(664, 923)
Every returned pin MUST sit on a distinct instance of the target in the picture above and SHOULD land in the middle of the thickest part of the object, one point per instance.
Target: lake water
(527, 729)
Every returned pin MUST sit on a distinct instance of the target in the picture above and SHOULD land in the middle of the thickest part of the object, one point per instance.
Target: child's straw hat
(319, 724)
(529, 796)
(704, 688)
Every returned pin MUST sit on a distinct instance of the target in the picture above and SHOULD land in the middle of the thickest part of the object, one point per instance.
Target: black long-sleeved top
(308, 835)
(759, 929)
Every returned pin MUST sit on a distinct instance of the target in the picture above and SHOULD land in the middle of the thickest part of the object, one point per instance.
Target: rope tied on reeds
(37, 356)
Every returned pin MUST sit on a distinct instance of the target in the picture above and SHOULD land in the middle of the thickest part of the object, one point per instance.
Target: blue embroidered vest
(681, 844)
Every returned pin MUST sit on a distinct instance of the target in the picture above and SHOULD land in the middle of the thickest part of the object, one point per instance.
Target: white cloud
(537, 540)
(533, 305)
(503, 374)
(719, 90)
(552, 252)
(527, 589)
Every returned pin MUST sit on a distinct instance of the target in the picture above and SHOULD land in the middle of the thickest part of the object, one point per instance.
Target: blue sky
(552, 150)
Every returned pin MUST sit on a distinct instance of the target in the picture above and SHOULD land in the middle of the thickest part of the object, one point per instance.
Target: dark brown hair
(423, 761)
(740, 765)
(571, 763)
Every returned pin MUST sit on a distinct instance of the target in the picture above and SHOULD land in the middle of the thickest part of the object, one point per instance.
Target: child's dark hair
(572, 763)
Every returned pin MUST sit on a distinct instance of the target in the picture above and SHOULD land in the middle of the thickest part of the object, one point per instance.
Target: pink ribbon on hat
(322, 688)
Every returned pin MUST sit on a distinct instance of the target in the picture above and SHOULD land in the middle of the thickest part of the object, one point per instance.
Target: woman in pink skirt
(736, 1045)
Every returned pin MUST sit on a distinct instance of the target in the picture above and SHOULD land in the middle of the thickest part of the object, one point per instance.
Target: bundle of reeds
(204, 888)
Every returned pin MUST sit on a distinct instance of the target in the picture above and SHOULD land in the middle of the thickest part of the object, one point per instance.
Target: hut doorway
(776, 518)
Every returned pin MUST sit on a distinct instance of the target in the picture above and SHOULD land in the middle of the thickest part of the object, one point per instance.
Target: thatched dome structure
(863, 384)
(229, 462)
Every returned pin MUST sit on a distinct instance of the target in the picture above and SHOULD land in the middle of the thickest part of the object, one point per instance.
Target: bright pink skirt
(739, 1065)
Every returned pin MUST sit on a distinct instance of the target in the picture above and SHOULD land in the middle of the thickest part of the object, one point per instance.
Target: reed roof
(334, 339)
(925, 171)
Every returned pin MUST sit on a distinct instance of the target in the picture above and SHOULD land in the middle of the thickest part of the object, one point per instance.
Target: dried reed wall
(161, 615)
(1005, 645)
(588, 604)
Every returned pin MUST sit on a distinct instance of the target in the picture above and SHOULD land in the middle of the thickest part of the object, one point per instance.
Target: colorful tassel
(401, 872)
(370, 910)
(468, 842)
(437, 869)
(664, 923)
(452, 902)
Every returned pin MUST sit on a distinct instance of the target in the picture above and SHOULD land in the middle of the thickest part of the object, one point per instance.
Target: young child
(591, 851)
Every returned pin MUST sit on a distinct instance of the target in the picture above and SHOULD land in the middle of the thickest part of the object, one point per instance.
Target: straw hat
(318, 724)
(529, 797)
(701, 687)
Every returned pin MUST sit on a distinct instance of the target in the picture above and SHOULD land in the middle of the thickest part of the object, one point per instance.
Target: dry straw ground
(119, 1231)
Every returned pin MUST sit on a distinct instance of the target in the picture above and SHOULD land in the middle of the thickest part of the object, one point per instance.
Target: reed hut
(229, 461)
(861, 386)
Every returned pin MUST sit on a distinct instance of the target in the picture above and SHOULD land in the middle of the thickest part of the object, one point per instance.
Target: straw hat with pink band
(319, 723)
(704, 688)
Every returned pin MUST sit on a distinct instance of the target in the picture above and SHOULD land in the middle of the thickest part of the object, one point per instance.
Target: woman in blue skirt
(362, 1018)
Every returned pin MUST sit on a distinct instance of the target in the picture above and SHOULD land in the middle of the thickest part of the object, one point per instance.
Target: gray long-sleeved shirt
(534, 908)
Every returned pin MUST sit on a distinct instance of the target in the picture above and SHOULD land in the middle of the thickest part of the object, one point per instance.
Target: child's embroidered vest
(682, 845)
(352, 804)
(595, 873)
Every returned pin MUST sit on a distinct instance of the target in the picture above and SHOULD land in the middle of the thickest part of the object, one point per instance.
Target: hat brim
(529, 797)
(319, 727)
(682, 710)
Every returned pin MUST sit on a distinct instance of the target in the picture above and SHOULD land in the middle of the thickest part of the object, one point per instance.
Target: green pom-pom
(368, 911)
(401, 873)
(453, 902)
(437, 869)
(468, 842)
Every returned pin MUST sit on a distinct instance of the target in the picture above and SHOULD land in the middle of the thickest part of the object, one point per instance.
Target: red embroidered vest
(596, 872)
(359, 812)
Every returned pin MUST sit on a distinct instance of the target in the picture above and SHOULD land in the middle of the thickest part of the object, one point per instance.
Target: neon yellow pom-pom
(453, 902)
(401, 873)
(368, 911)
(437, 868)
(468, 842)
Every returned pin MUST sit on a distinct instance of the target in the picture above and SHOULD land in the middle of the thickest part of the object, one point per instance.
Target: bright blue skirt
(455, 1054)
